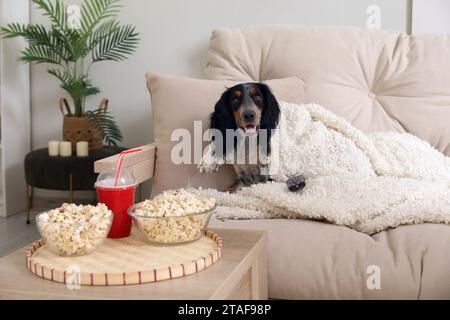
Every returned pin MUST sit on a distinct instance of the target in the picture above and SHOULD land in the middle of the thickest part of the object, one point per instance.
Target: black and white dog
(253, 109)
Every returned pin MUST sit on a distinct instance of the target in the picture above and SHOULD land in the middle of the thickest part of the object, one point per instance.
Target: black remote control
(296, 184)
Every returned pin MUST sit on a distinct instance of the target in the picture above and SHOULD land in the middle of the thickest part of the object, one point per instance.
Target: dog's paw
(296, 184)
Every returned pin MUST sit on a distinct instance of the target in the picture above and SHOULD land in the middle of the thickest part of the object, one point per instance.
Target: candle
(53, 148)
(65, 149)
(82, 149)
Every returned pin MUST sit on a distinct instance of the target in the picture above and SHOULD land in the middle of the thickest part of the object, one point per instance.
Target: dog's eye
(257, 98)
(235, 102)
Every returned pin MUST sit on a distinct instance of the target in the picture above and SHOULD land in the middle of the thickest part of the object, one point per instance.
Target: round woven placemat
(127, 261)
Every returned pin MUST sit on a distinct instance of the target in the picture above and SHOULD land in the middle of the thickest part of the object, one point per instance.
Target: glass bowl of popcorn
(173, 217)
(73, 230)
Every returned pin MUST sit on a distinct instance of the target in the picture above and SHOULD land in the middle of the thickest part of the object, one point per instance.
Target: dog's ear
(271, 109)
(270, 115)
(222, 119)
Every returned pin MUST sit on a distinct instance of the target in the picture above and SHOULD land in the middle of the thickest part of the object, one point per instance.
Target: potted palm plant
(71, 50)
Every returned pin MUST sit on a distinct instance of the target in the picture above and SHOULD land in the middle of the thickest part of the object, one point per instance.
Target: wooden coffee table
(241, 274)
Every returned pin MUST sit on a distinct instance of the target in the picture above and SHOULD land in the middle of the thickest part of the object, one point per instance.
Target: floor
(15, 233)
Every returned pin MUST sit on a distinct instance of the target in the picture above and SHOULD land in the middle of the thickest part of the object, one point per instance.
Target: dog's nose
(249, 116)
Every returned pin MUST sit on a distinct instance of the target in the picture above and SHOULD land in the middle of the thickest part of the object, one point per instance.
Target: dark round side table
(64, 174)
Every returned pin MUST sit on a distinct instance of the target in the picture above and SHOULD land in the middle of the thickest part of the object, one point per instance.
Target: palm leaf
(61, 75)
(39, 35)
(36, 35)
(40, 54)
(80, 88)
(77, 44)
(68, 43)
(55, 10)
(117, 46)
(99, 35)
(70, 38)
(103, 31)
(33, 34)
(77, 88)
(94, 11)
(105, 124)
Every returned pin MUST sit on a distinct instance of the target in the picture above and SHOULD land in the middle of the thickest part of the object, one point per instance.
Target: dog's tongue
(250, 129)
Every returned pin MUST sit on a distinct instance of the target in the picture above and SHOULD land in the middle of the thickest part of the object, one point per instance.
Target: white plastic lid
(107, 179)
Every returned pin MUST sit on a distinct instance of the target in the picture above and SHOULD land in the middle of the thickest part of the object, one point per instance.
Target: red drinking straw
(120, 162)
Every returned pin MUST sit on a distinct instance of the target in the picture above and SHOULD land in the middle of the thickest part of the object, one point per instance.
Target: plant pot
(77, 129)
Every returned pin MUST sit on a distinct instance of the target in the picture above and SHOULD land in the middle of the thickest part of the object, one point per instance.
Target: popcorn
(174, 203)
(174, 216)
(75, 230)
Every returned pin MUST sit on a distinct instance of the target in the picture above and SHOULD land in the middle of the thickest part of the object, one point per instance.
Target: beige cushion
(379, 81)
(177, 103)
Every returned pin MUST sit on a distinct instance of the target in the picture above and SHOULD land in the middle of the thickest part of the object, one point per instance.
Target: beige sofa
(380, 82)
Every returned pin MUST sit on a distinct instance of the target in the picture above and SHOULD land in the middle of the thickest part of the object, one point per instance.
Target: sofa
(379, 81)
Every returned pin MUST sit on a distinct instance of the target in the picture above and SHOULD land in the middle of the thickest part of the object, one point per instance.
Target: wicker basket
(80, 129)
(76, 129)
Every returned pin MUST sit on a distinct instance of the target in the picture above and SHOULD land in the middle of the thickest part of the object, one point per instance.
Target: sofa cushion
(379, 81)
(177, 103)
(313, 260)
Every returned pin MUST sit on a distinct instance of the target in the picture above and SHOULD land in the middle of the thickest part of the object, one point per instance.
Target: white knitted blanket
(368, 182)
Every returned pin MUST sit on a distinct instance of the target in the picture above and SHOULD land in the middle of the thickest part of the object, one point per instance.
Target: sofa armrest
(142, 163)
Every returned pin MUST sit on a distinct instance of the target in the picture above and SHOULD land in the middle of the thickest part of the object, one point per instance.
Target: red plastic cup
(118, 199)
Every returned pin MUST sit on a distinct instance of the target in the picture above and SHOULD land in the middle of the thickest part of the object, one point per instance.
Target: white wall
(175, 35)
(14, 111)
(431, 16)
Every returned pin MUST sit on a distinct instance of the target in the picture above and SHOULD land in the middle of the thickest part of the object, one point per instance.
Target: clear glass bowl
(73, 239)
(172, 230)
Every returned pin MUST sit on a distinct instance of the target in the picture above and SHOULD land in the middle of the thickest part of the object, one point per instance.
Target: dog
(250, 108)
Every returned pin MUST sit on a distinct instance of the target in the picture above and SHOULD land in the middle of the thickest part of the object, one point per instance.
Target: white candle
(82, 149)
(65, 149)
(53, 148)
